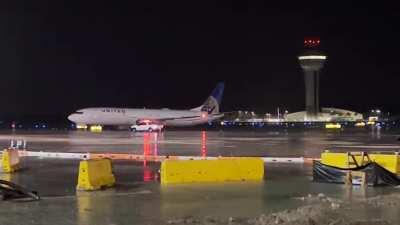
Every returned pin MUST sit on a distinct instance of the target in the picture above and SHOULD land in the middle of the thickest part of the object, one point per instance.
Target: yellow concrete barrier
(95, 174)
(336, 159)
(388, 161)
(219, 170)
(10, 161)
(343, 160)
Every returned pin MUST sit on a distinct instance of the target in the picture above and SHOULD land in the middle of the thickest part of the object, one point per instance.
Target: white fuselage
(126, 116)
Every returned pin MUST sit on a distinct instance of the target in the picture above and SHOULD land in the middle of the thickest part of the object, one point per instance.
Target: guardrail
(135, 157)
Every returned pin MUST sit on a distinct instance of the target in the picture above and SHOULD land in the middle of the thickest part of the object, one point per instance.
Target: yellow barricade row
(389, 161)
(10, 161)
(95, 174)
(218, 170)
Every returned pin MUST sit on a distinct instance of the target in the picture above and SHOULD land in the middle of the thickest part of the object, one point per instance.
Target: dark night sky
(58, 56)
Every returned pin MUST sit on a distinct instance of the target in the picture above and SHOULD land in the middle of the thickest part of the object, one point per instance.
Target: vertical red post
(147, 172)
(155, 144)
(146, 147)
(204, 144)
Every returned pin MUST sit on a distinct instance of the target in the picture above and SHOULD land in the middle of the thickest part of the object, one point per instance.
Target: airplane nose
(72, 117)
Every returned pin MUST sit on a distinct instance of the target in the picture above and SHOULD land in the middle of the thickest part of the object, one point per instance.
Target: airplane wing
(178, 118)
(162, 120)
(216, 115)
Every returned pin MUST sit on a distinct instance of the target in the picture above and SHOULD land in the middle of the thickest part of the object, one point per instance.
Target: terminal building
(325, 115)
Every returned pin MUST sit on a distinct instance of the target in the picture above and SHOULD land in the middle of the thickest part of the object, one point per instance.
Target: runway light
(312, 57)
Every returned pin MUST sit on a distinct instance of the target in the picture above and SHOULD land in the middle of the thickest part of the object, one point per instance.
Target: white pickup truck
(146, 125)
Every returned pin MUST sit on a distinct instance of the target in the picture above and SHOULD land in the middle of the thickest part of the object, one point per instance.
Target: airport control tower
(312, 61)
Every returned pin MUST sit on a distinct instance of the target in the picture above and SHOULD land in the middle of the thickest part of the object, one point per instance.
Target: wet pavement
(139, 198)
(283, 143)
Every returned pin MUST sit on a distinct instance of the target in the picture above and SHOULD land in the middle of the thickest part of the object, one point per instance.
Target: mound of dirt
(318, 210)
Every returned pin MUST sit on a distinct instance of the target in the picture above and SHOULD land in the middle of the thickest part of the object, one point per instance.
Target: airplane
(101, 116)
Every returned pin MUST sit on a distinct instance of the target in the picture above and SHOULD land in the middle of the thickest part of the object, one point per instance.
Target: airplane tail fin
(213, 102)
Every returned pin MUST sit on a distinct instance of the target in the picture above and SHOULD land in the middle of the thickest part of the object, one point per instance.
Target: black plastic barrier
(376, 175)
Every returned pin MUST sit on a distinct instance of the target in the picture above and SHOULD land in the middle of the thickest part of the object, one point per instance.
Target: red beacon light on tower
(311, 42)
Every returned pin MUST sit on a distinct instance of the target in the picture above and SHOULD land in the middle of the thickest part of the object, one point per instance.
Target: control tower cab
(312, 61)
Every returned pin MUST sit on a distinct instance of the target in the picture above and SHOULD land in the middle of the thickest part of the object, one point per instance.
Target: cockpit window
(79, 112)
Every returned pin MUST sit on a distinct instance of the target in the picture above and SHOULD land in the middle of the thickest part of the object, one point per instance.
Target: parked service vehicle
(146, 125)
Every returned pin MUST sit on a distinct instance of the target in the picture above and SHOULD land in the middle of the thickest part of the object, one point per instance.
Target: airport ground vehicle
(146, 125)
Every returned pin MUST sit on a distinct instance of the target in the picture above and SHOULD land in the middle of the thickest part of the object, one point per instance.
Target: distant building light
(323, 57)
